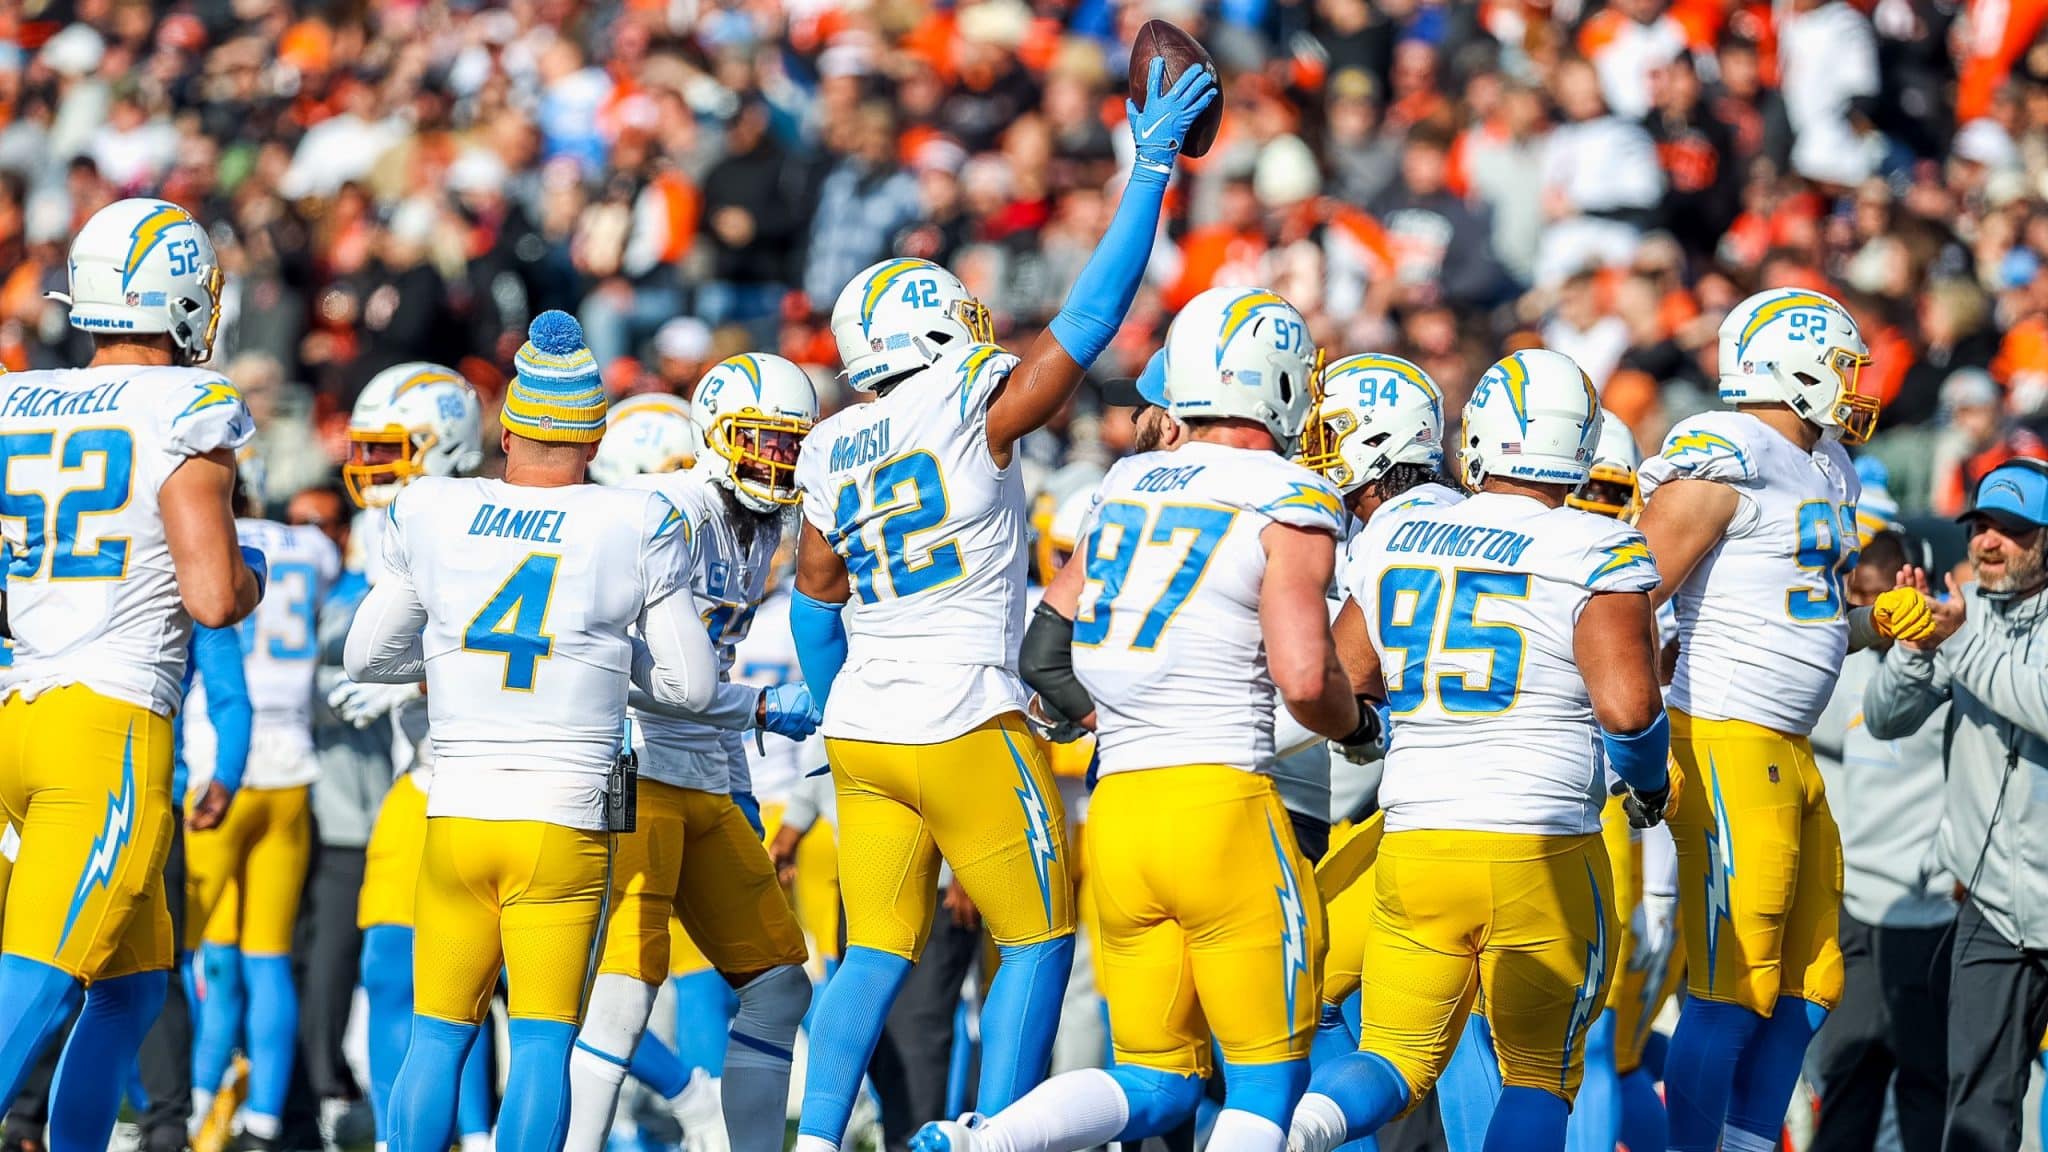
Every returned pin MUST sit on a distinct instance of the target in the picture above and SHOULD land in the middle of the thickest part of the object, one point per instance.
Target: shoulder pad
(974, 372)
(1711, 446)
(1293, 495)
(1614, 557)
(203, 412)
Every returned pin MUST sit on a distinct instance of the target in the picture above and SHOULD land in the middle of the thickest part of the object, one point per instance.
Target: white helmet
(1376, 411)
(901, 315)
(147, 267)
(646, 434)
(1242, 352)
(753, 411)
(416, 419)
(1056, 515)
(1798, 348)
(1610, 488)
(1533, 417)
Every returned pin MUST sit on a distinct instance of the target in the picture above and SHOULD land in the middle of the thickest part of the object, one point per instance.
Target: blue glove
(788, 710)
(1162, 127)
(259, 564)
(751, 809)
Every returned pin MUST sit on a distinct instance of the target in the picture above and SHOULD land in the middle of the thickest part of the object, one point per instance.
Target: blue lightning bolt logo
(1720, 874)
(1038, 826)
(1584, 1001)
(113, 837)
(1293, 923)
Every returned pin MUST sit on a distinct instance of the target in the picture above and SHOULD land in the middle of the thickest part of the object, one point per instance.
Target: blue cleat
(949, 1135)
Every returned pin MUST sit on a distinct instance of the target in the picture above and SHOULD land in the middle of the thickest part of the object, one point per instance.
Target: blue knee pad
(1596, 1113)
(1020, 1018)
(423, 1097)
(273, 1030)
(1770, 1066)
(1158, 1101)
(1367, 1088)
(848, 1024)
(35, 1001)
(92, 1075)
(705, 1005)
(536, 1114)
(1469, 1090)
(225, 1006)
(1528, 1120)
(1265, 1090)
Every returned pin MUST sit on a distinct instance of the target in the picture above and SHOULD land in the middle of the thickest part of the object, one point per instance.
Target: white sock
(755, 1088)
(202, 1107)
(1074, 1110)
(1734, 1139)
(814, 1144)
(260, 1126)
(1239, 1131)
(1318, 1126)
(612, 1024)
(471, 1142)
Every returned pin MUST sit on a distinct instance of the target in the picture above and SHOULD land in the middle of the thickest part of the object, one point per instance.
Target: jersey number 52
(62, 538)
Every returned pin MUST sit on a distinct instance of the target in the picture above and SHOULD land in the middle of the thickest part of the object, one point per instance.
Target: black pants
(1998, 1009)
(1888, 1034)
(166, 1056)
(329, 947)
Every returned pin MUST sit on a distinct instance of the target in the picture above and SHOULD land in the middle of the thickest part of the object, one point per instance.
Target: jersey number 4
(1208, 526)
(909, 497)
(1412, 622)
(513, 623)
(62, 540)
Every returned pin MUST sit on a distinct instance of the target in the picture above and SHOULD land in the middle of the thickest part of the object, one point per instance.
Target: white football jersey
(529, 593)
(1472, 608)
(281, 650)
(732, 559)
(1166, 635)
(766, 658)
(1763, 620)
(936, 540)
(91, 594)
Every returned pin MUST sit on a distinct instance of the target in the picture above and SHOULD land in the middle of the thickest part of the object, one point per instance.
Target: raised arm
(1045, 379)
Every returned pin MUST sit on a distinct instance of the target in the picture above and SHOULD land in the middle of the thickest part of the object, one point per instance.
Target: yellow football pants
(391, 865)
(814, 895)
(85, 781)
(1759, 866)
(1646, 978)
(1527, 920)
(518, 894)
(1344, 878)
(986, 800)
(1211, 924)
(243, 878)
(693, 856)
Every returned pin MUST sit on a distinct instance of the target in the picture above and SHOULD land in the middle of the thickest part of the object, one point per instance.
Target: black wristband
(1368, 730)
(1046, 663)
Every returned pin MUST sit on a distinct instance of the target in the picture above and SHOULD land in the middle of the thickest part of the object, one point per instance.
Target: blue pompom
(556, 333)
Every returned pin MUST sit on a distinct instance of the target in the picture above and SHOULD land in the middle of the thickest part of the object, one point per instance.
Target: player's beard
(2023, 571)
(744, 520)
(1151, 430)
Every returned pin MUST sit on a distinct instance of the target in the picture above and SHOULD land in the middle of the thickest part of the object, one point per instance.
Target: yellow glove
(1902, 614)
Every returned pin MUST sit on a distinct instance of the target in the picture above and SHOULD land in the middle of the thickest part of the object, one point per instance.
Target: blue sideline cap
(1152, 381)
(2015, 490)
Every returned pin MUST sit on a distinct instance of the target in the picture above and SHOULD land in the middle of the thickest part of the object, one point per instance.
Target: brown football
(1182, 52)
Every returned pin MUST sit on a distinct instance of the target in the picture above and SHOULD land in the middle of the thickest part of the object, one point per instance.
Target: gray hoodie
(1886, 795)
(1994, 672)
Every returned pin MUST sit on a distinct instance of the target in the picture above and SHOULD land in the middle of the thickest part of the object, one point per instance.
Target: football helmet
(1242, 352)
(753, 412)
(901, 315)
(1610, 488)
(1801, 349)
(146, 266)
(646, 434)
(1056, 515)
(1376, 411)
(414, 419)
(1533, 417)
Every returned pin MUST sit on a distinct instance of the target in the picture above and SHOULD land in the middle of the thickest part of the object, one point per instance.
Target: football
(1182, 51)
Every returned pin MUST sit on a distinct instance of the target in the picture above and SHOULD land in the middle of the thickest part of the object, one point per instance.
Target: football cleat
(951, 1135)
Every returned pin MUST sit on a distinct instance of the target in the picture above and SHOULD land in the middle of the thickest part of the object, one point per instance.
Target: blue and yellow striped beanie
(556, 393)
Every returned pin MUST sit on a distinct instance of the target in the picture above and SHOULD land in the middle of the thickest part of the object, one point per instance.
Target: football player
(646, 436)
(121, 536)
(1752, 517)
(1199, 564)
(412, 420)
(246, 875)
(915, 526)
(526, 705)
(695, 855)
(1511, 624)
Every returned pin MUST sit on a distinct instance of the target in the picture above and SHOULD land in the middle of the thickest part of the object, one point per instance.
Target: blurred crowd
(1443, 179)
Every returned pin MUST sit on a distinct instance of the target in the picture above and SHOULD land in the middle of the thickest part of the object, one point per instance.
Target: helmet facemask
(1608, 490)
(381, 461)
(1854, 411)
(760, 452)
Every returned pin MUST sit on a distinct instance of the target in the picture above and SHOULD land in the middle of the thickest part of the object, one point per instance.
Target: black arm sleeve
(1046, 662)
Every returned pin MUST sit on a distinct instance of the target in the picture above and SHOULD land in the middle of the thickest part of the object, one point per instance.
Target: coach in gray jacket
(1989, 658)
